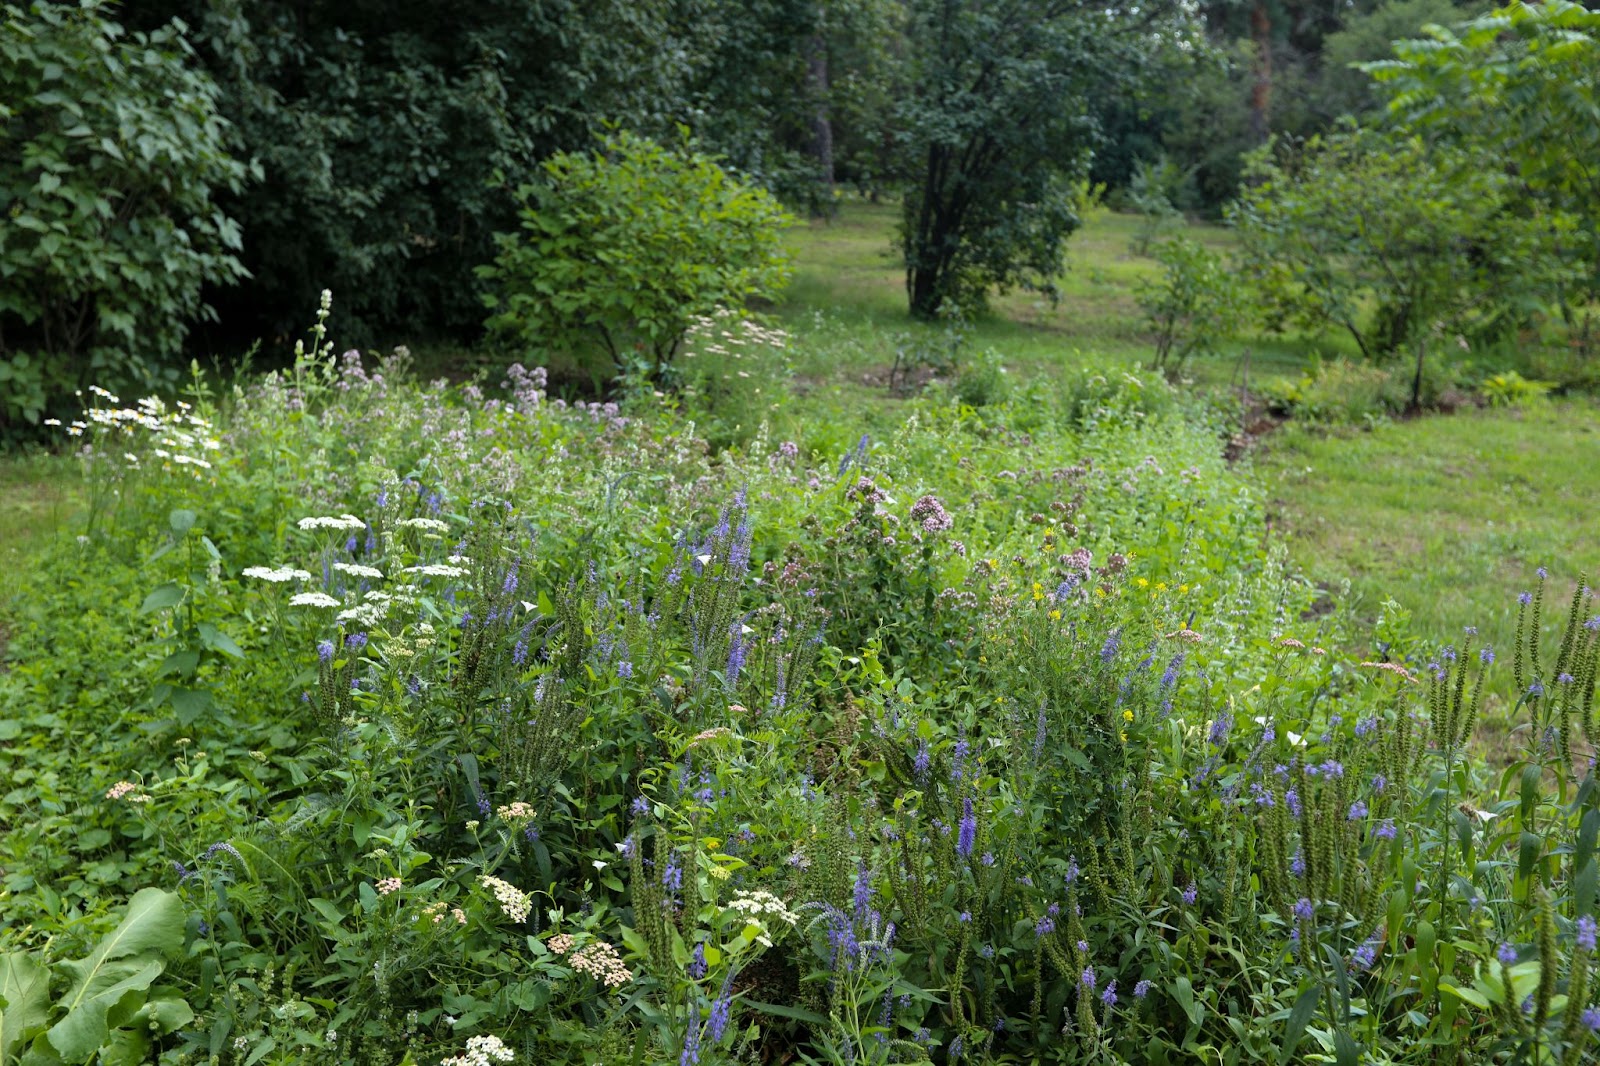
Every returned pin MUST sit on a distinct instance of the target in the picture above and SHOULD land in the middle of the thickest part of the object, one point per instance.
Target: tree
(999, 126)
(1389, 239)
(1520, 86)
(112, 153)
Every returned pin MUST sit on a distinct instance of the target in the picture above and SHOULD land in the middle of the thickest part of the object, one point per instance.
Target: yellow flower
(1038, 591)
(1183, 588)
(1161, 586)
(1141, 582)
(1055, 616)
(1124, 736)
(1100, 592)
(1127, 716)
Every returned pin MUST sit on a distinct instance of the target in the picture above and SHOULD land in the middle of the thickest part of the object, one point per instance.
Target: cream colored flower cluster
(342, 523)
(761, 904)
(481, 1051)
(601, 962)
(436, 912)
(126, 790)
(276, 574)
(516, 903)
(516, 812)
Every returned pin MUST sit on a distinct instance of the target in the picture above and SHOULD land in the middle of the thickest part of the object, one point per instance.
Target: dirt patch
(1258, 422)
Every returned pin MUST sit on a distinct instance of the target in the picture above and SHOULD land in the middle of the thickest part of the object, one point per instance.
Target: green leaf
(1305, 1006)
(1346, 1052)
(25, 991)
(181, 521)
(797, 1013)
(126, 962)
(1466, 995)
(189, 703)
(164, 596)
(216, 640)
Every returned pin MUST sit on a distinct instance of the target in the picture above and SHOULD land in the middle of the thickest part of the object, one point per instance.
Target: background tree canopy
(376, 149)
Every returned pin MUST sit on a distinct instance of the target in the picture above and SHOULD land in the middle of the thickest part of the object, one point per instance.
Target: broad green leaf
(127, 961)
(168, 595)
(25, 990)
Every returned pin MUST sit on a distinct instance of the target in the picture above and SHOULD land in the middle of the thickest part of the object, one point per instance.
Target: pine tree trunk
(1261, 91)
(821, 124)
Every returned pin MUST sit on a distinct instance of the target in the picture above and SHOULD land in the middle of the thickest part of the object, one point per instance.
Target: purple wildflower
(1109, 996)
(672, 875)
(1088, 978)
(1524, 598)
(697, 962)
(968, 835)
(1108, 650)
(1044, 926)
(1385, 830)
(1586, 932)
(924, 758)
(1190, 893)
(1358, 810)
(325, 651)
(1297, 865)
(1486, 656)
(1507, 954)
(1591, 1018)
(1304, 909)
(1141, 990)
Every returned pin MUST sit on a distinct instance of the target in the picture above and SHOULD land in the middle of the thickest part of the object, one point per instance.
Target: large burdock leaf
(109, 985)
(24, 999)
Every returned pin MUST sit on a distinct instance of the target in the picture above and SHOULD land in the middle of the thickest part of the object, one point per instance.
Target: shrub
(111, 152)
(1193, 305)
(1424, 237)
(625, 247)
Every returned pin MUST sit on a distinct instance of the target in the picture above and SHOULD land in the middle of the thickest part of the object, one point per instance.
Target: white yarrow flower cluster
(312, 599)
(344, 522)
(358, 570)
(437, 570)
(277, 575)
(762, 904)
(481, 1051)
(423, 523)
(516, 903)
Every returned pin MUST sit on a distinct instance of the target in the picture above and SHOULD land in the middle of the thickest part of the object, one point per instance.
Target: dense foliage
(1521, 86)
(392, 723)
(1395, 242)
(112, 158)
(624, 249)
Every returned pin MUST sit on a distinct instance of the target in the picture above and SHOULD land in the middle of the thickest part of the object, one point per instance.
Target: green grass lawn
(848, 297)
(38, 493)
(1448, 515)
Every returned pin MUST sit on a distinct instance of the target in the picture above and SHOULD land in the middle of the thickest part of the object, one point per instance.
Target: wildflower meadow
(366, 720)
(801, 533)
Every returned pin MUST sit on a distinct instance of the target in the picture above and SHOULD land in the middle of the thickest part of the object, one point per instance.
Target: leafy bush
(111, 155)
(1425, 238)
(625, 248)
(1194, 304)
(1510, 389)
(1154, 192)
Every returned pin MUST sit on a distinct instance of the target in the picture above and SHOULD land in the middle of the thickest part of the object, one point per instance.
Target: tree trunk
(821, 125)
(1261, 91)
